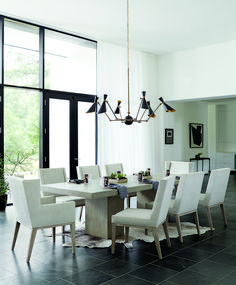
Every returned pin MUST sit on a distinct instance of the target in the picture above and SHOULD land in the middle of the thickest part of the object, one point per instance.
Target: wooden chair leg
(166, 233)
(31, 244)
(156, 238)
(72, 230)
(223, 213)
(209, 217)
(113, 238)
(81, 212)
(197, 222)
(126, 234)
(54, 234)
(63, 229)
(177, 221)
(146, 232)
(15, 235)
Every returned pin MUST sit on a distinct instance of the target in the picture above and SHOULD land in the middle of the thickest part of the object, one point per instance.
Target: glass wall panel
(21, 132)
(59, 130)
(70, 63)
(21, 54)
(86, 135)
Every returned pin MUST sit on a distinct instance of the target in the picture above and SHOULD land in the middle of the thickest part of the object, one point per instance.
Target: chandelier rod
(128, 54)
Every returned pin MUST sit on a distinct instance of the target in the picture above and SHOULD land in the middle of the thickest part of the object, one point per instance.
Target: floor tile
(89, 277)
(175, 263)
(116, 267)
(128, 280)
(153, 273)
(188, 277)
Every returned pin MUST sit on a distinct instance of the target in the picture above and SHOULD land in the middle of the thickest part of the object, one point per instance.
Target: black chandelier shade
(167, 107)
(117, 111)
(150, 111)
(103, 108)
(144, 104)
(92, 109)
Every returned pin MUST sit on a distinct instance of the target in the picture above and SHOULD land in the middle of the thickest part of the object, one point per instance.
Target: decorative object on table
(140, 176)
(169, 136)
(106, 181)
(128, 120)
(167, 172)
(195, 135)
(197, 156)
(118, 178)
(145, 174)
(86, 178)
(4, 187)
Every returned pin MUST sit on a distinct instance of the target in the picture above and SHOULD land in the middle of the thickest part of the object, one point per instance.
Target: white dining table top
(93, 190)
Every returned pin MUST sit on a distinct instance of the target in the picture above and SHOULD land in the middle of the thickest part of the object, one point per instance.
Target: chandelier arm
(154, 111)
(111, 109)
(138, 109)
(142, 115)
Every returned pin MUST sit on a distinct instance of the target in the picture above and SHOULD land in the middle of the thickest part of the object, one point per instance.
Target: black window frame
(42, 148)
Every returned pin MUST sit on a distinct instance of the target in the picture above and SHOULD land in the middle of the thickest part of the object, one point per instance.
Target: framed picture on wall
(169, 136)
(195, 135)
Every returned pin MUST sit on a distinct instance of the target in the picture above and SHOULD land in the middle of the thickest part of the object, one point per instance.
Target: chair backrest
(179, 167)
(93, 171)
(26, 199)
(162, 200)
(217, 185)
(188, 192)
(51, 175)
(114, 167)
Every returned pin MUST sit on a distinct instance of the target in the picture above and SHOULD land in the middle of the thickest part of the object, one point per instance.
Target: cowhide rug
(84, 240)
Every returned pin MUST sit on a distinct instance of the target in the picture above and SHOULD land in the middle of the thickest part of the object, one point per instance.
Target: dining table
(103, 202)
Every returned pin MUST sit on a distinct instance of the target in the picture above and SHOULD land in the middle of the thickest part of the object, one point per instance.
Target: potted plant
(4, 187)
(117, 177)
(197, 156)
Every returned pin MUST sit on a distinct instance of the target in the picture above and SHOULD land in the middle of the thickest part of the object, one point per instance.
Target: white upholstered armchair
(215, 193)
(179, 167)
(31, 213)
(57, 175)
(146, 218)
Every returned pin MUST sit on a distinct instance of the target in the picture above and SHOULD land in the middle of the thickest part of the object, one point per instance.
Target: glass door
(69, 134)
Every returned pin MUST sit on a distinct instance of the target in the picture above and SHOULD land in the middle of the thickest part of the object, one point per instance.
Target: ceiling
(156, 26)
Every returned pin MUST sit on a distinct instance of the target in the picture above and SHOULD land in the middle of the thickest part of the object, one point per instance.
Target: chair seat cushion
(78, 200)
(133, 217)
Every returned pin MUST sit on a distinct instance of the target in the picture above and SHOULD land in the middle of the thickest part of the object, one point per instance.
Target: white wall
(198, 73)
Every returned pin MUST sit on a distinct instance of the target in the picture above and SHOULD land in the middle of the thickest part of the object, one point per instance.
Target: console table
(202, 159)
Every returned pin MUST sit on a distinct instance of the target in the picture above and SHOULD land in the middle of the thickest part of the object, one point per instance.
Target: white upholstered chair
(179, 167)
(146, 218)
(215, 192)
(113, 168)
(57, 175)
(93, 171)
(32, 213)
(186, 199)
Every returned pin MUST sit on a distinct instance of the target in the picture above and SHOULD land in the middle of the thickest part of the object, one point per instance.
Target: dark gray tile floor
(208, 259)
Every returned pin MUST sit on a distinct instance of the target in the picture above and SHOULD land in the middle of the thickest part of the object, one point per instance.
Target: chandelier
(145, 105)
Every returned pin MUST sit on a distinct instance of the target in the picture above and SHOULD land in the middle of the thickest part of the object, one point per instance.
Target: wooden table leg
(98, 214)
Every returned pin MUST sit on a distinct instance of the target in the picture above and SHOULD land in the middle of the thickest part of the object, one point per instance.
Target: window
(21, 54)
(70, 63)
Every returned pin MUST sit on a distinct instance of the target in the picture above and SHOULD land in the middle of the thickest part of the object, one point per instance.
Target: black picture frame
(169, 136)
(196, 133)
